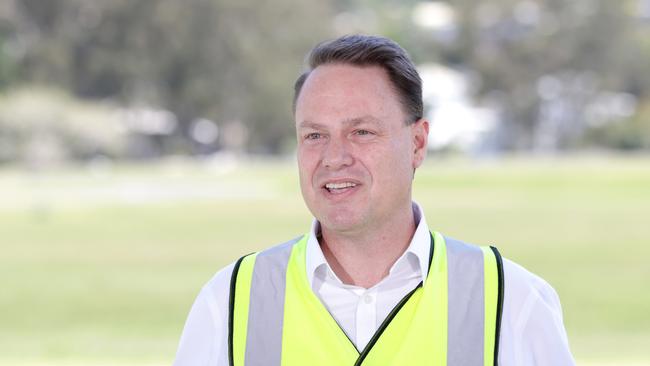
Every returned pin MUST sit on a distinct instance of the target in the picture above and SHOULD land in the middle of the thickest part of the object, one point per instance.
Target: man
(370, 284)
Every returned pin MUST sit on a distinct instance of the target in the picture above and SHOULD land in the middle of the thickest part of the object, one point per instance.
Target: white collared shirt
(532, 331)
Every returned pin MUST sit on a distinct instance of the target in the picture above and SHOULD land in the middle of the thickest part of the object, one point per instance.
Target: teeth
(339, 185)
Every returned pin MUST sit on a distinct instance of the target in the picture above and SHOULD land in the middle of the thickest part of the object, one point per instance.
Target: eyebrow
(352, 122)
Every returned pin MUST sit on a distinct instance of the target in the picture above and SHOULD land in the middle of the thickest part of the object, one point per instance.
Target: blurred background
(146, 144)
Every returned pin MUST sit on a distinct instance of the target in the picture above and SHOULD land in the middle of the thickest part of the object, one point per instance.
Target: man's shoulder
(524, 291)
(522, 281)
(278, 249)
(527, 294)
(219, 284)
(532, 326)
(519, 280)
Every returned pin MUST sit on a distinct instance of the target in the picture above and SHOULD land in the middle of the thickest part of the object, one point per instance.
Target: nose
(336, 154)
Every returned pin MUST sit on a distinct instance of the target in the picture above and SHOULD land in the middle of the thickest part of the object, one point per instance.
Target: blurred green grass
(100, 266)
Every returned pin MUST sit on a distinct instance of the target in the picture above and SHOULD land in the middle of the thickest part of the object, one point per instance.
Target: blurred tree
(224, 60)
(41, 127)
(554, 69)
(630, 134)
(546, 62)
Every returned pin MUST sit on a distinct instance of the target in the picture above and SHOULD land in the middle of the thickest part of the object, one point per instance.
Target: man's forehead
(330, 78)
(342, 94)
(346, 122)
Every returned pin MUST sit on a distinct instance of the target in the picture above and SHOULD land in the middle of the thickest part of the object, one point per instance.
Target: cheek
(402, 154)
(307, 161)
(389, 166)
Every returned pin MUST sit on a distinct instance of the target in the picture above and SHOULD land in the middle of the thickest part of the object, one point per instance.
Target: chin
(341, 221)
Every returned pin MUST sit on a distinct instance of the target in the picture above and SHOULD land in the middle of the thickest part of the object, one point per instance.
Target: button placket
(366, 319)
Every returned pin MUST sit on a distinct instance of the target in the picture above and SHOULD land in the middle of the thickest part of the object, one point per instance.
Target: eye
(362, 133)
(313, 136)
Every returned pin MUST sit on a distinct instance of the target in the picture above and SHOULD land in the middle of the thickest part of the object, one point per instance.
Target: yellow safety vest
(452, 319)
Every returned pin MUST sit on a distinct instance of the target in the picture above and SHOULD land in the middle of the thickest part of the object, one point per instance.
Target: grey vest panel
(266, 308)
(466, 309)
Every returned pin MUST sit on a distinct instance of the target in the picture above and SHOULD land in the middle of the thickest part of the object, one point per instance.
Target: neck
(364, 258)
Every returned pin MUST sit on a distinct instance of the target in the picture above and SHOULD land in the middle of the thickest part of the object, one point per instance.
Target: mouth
(340, 187)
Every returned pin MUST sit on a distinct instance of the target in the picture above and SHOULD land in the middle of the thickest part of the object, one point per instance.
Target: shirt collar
(420, 247)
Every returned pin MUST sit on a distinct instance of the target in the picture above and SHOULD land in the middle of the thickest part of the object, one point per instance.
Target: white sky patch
(434, 15)
(455, 119)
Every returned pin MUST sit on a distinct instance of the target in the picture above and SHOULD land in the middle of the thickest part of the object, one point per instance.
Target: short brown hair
(363, 50)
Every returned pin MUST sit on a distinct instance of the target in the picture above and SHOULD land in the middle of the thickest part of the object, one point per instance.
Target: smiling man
(370, 284)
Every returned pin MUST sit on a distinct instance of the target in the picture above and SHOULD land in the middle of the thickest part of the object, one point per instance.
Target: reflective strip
(465, 309)
(491, 300)
(266, 312)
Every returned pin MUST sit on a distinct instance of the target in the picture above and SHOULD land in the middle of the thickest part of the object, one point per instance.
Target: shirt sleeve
(205, 335)
(533, 331)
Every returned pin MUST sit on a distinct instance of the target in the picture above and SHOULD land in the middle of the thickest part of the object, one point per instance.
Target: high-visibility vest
(453, 319)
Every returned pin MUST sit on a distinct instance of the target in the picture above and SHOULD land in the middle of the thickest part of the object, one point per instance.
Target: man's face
(356, 155)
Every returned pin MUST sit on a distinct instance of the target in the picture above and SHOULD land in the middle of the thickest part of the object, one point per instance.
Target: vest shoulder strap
(475, 296)
(257, 276)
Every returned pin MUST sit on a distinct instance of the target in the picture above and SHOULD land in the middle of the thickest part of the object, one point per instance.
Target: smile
(340, 187)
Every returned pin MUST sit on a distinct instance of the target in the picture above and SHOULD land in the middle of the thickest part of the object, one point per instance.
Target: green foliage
(223, 60)
(631, 134)
(234, 62)
(7, 66)
(41, 126)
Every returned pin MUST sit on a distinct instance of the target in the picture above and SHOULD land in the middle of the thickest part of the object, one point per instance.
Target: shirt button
(367, 298)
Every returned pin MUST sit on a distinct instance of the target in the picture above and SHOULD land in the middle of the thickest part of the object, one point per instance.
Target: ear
(420, 138)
